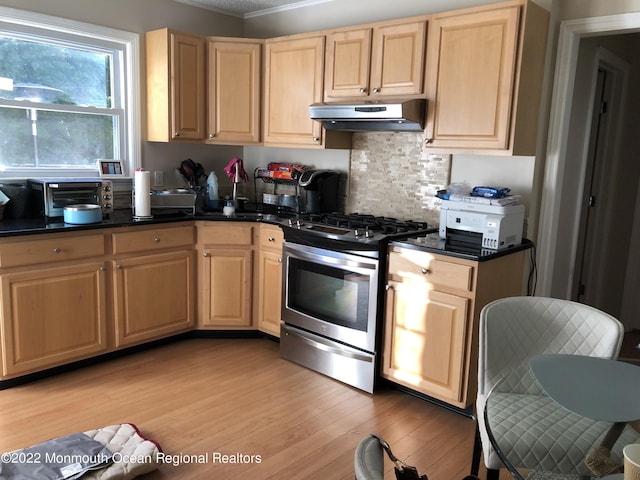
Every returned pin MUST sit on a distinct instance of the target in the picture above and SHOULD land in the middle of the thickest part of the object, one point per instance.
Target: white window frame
(127, 87)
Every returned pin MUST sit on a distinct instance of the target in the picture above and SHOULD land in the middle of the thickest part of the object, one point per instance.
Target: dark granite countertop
(121, 218)
(434, 244)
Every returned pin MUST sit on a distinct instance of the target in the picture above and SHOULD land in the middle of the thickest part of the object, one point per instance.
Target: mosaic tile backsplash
(391, 175)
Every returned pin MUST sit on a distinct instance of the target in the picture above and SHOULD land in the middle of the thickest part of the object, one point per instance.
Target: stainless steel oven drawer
(351, 366)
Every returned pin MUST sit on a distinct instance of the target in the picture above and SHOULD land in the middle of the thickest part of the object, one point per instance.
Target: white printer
(476, 221)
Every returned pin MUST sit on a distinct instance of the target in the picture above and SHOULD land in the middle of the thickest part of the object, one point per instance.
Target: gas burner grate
(352, 221)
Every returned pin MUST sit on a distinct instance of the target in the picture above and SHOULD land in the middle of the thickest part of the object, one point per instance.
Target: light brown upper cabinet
(294, 72)
(381, 60)
(484, 78)
(233, 87)
(175, 86)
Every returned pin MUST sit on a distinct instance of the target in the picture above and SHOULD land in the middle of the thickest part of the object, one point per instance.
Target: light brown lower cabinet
(433, 304)
(74, 295)
(154, 277)
(53, 300)
(154, 296)
(52, 315)
(270, 279)
(225, 275)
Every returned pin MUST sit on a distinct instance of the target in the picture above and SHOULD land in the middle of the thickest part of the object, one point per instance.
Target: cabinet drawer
(154, 239)
(429, 268)
(271, 237)
(225, 234)
(45, 250)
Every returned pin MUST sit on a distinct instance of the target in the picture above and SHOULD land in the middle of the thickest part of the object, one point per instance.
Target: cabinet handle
(376, 90)
(56, 250)
(205, 254)
(363, 90)
(425, 271)
(119, 267)
(156, 239)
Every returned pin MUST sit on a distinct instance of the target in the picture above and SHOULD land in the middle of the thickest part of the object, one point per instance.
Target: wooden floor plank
(202, 396)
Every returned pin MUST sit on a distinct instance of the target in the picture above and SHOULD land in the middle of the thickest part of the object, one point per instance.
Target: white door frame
(571, 31)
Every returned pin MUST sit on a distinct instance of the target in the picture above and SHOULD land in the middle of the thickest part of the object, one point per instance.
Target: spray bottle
(212, 191)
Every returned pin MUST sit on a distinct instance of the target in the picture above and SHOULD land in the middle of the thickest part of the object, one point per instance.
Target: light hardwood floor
(238, 397)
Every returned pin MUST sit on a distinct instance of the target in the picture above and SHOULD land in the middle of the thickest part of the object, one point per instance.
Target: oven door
(332, 294)
(60, 195)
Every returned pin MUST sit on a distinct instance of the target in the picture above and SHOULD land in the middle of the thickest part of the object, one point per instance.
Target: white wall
(341, 13)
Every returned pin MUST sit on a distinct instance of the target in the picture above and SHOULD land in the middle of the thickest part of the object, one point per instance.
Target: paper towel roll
(142, 187)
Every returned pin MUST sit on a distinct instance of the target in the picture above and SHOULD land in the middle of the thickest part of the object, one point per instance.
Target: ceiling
(250, 8)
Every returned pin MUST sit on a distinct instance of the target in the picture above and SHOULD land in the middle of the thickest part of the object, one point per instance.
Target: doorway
(599, 261)
(562, 236)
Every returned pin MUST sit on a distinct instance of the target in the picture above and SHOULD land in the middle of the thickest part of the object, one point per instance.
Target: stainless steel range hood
(382, 116)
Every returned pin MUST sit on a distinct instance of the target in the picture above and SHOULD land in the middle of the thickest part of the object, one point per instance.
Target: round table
(558, 403)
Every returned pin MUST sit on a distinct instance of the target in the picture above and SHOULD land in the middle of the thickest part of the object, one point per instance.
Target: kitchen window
(68, 96)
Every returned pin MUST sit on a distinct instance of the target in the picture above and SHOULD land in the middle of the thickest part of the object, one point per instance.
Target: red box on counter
(284, 170)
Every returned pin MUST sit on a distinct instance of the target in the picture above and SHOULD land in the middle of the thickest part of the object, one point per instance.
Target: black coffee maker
(321, 190)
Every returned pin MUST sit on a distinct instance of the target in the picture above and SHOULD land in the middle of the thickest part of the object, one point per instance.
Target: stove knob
(368, 233)
(357, 232)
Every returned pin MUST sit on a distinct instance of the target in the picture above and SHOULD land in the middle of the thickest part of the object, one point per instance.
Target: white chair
(514, 329)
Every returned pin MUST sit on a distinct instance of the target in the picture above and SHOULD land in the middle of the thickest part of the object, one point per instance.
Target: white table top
(596, 388)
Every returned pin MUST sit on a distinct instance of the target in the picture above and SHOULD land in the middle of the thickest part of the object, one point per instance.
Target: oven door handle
(339, 262)
(344, 352)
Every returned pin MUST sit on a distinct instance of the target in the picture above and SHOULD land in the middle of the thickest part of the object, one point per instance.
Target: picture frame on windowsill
(110, 168)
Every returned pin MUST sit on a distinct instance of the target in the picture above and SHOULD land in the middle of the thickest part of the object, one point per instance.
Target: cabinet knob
(101, 268)
(425, 271)
(177, 134)
(427, 141)
(271, 239)
(316, 139)
(205, 254)
(363, 90)
(156, 239)
(280, 260)
(56, 250)
(376, 90)
(119, 267)
(212, 135)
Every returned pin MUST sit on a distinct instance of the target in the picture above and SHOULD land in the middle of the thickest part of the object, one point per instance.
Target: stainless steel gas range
(333, 297)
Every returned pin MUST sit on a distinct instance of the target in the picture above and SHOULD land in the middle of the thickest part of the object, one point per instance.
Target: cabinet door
(293, 81)
(270, 292)
(347, 64)
(425, 335)
(397, 60)
(188, 92)
(154, 296)
(52, 316)
(175, 86)
(471, 64)
(227, 287)
(234, 72)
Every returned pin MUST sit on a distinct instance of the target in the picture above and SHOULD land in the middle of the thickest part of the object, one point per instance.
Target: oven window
(331, 294)
(62, 198)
